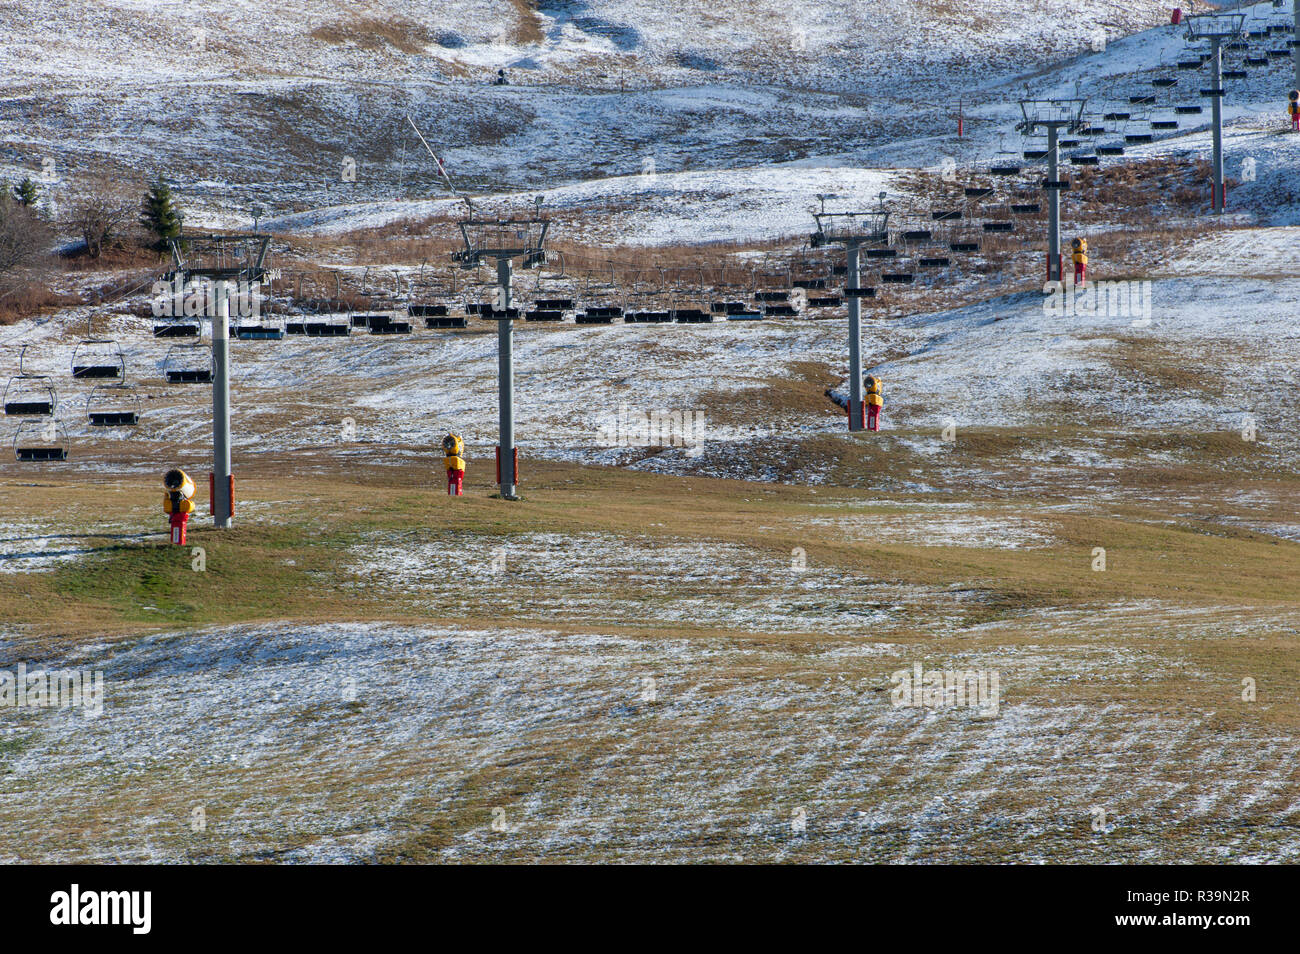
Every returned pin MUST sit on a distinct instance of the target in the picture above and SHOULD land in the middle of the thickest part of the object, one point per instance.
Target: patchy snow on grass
(643, 581)
(28, 548)
(941, 526)
(349, 742)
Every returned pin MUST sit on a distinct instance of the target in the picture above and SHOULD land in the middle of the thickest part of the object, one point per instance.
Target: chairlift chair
(1004, 162)
(1091, 125)
(27, 394)
(1000, 219)
(965, 241)
(598, 315)
(1141, 118)
(690, 316)
(384, 323)
(323, 327)
(1035, 147)
(40, 441)
(98, 358)
(113, 405)
(436, 315)
(30, 395)
(177, 328)
(188, 364)
(260, 330)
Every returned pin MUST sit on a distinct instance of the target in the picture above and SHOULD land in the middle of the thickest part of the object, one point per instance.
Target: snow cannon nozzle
(177, 481)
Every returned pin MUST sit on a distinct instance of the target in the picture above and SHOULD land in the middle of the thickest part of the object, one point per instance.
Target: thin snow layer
(1015, 360)
(643, 581)
(653, 208)
(1263, 252)
(27, 548)
(1002, 531)
(414, 39)
(343, 743)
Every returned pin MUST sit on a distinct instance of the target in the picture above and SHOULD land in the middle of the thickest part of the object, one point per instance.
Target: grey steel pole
(1295, 43)
(506, 382)
(1053, 206)
(855, 340)
(1216, 93)
(221, 515)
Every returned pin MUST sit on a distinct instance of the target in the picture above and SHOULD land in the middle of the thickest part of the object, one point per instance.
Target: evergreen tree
(25, 192)
(159, 213)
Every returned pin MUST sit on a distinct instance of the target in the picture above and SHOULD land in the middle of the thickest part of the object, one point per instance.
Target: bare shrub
(105, 216)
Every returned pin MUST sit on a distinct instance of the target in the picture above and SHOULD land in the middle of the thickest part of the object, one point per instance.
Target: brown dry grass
(372, 33)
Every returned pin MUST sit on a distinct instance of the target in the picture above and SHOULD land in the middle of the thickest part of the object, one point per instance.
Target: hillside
(675, 647)
(255, 106)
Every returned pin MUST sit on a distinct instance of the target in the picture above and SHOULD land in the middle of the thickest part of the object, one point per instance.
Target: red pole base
(178, 524)
(515, 468)
(212, 494)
